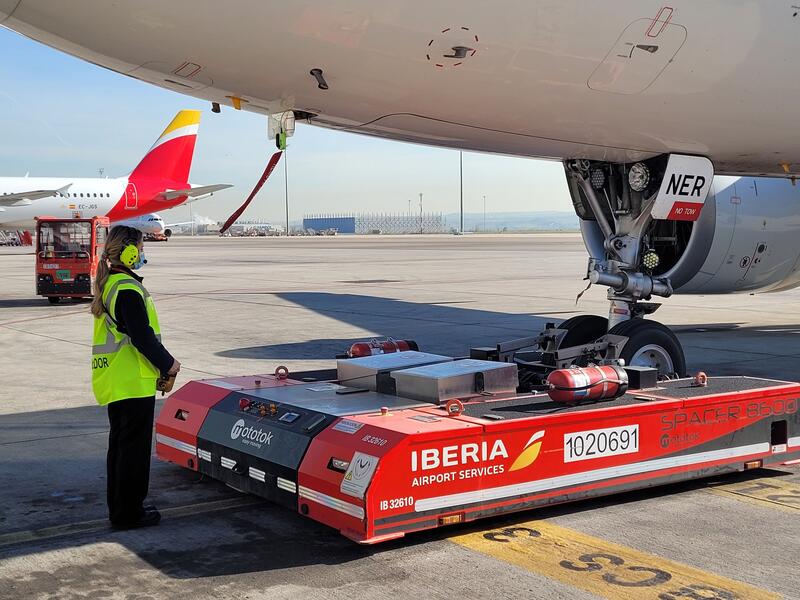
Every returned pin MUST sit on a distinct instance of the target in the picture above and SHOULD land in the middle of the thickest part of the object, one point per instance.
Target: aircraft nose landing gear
(626, 211)
(628, 215)
(616, 204)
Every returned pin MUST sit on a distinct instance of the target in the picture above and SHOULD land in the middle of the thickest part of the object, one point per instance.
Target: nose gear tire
(651, 344)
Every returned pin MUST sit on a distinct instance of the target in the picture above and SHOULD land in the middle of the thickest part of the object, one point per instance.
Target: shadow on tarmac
(310, 350)
(431, 326)
(264, 548)
(39, 302)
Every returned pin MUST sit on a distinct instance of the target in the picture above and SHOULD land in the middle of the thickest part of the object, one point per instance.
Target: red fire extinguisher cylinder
(592, 383)
(360, 349)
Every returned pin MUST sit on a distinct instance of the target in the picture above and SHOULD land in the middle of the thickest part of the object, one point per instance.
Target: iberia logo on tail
(170, 158)
(161, 179)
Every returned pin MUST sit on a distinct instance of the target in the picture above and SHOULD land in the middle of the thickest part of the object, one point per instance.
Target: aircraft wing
(25, 198)
(194, 193)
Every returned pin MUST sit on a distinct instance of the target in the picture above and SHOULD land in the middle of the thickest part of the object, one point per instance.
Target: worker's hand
(176, 366)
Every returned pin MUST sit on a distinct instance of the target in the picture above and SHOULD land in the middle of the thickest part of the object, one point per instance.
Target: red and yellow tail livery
(170, 157)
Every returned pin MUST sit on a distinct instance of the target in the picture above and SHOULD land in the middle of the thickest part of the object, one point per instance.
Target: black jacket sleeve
(132, 320)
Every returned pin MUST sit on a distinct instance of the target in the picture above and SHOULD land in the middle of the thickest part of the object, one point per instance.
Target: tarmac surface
(238, 306)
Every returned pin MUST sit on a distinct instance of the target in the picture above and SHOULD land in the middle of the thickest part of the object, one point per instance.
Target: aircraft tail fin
(170, 157)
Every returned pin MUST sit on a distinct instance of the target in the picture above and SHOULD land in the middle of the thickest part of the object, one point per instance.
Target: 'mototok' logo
(250, 435)
(237, 429)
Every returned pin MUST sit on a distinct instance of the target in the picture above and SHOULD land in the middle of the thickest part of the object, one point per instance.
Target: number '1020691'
(595, 443)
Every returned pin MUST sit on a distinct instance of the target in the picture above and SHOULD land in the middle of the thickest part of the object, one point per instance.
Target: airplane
(160, 180)
(676, 123)
(152, 225)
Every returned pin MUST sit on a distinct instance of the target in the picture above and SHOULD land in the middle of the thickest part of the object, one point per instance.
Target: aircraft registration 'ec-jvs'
(160, 181)
(676, 123)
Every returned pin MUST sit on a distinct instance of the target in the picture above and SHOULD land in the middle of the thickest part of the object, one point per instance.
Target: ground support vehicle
(386, 445)
(67, 254)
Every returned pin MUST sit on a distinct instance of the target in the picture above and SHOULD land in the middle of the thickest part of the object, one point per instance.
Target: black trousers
(128, 460)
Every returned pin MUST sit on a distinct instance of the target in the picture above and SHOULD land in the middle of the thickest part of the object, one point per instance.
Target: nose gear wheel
(651, 344)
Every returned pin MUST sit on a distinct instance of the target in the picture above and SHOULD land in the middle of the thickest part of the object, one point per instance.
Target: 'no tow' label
(684, 188)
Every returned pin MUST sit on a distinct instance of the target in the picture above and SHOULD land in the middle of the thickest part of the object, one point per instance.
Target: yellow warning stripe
(183, 119)
(770, 492)
(600, 567)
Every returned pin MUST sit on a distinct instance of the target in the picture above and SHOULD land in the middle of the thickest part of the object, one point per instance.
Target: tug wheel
(583, 329)
(54, 299)
(651, 344)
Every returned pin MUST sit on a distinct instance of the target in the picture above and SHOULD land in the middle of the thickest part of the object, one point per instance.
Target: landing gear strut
(614, 202)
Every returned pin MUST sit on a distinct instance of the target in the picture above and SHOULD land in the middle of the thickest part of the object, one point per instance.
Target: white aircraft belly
(24, 216)
(539, 78)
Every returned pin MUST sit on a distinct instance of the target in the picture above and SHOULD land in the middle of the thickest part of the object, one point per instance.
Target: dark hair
(118, 238)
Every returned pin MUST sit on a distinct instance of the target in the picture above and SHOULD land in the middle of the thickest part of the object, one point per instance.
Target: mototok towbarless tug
(394, 442)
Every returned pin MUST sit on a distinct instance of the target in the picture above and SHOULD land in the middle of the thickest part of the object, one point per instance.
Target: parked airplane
(676, 124)
(152, 225)
(160, 180)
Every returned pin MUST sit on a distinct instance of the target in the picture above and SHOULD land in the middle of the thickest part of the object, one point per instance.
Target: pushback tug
(392, 442)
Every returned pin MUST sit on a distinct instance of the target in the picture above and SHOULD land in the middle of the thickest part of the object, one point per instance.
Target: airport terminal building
(376, 223)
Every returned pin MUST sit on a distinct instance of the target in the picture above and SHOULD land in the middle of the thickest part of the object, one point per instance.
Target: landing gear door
(683, 191)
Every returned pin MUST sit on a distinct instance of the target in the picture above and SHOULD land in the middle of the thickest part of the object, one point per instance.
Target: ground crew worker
(127, 359)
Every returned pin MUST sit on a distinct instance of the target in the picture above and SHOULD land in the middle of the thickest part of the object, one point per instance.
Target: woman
(127, 359)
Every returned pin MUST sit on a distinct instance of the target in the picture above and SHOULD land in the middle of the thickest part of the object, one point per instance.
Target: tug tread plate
(523, 408)
(684, 388)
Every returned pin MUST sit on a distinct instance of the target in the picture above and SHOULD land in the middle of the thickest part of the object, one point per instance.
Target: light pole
(286, 185)
(420, 212)
(461, 188)
(484, 213)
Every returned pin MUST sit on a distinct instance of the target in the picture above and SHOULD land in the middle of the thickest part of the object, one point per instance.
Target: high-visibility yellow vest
(119, 370)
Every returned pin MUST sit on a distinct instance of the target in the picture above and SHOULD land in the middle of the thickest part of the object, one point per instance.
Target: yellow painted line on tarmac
(58, 531)
(769, 492)
(603, 568)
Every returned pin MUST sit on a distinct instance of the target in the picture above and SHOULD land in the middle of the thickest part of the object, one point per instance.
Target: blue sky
(60, 116)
